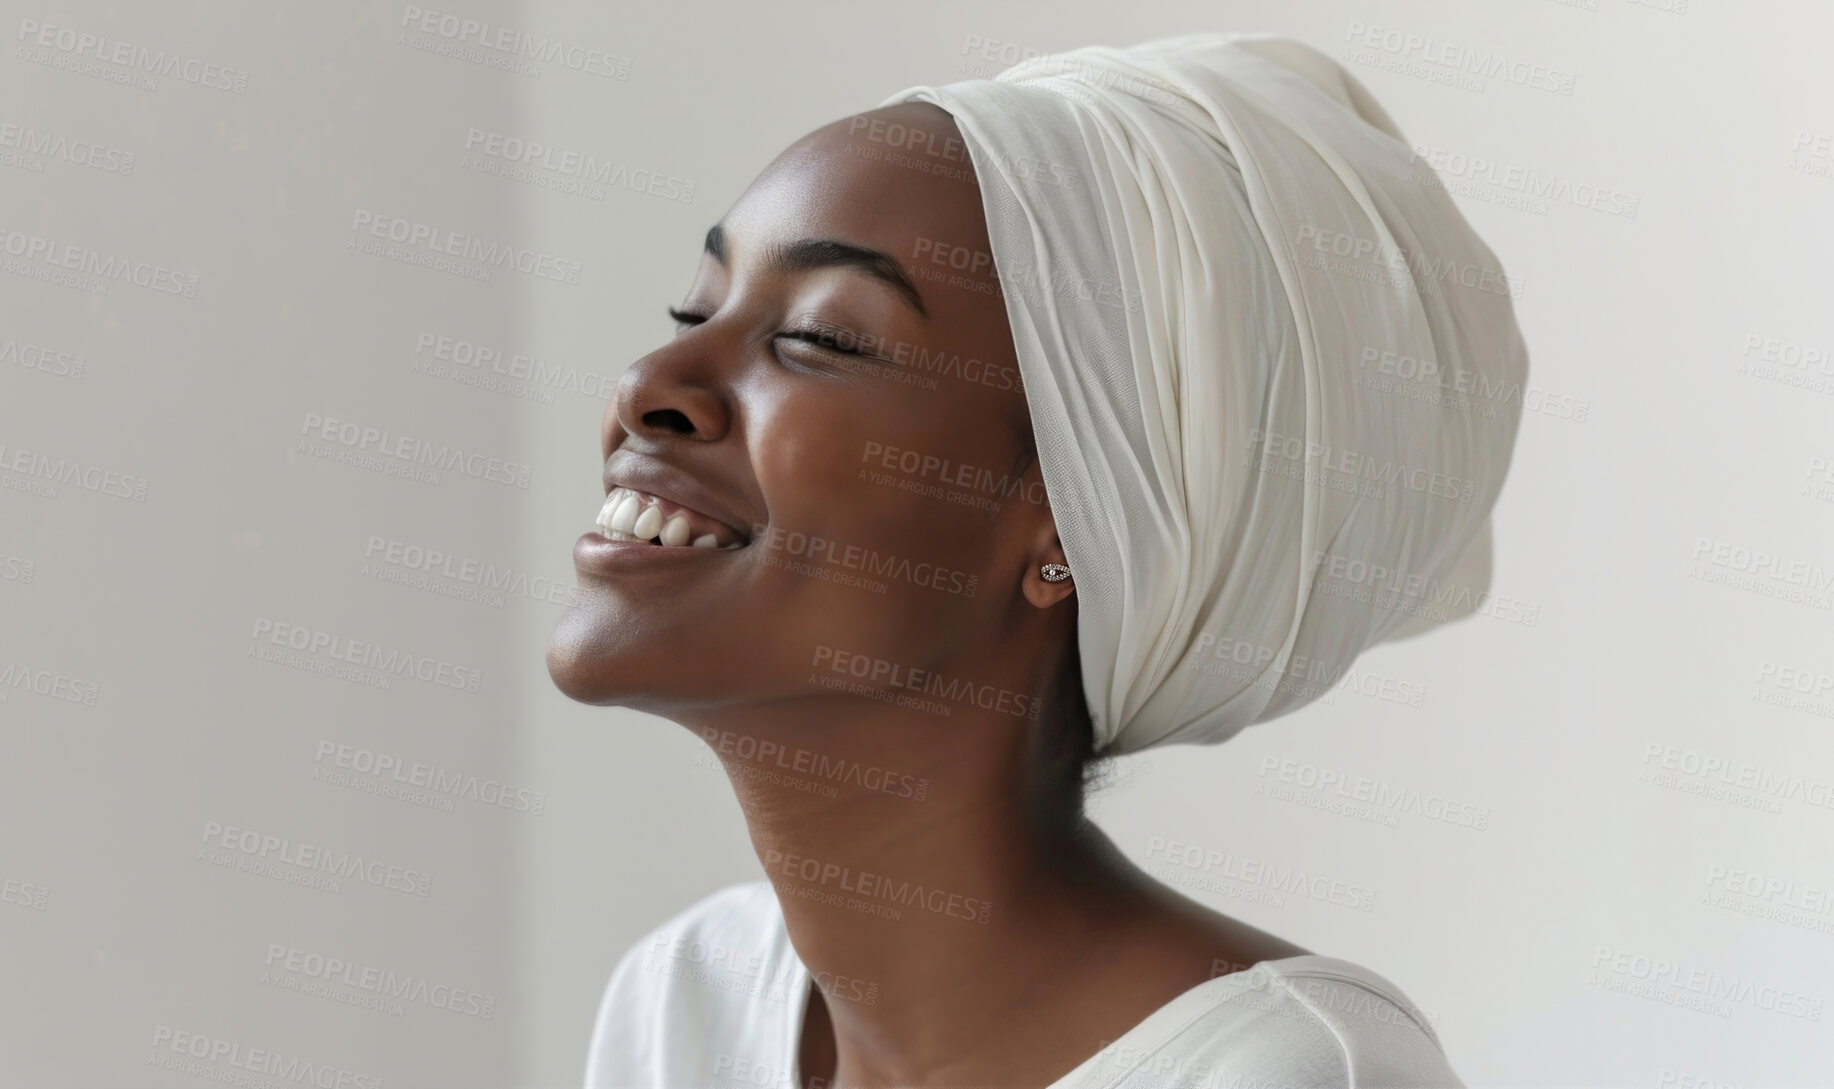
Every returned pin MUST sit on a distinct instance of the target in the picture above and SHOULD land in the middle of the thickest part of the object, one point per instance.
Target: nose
(676, 390)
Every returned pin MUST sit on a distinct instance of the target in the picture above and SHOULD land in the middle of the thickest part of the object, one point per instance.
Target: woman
(1016, 424)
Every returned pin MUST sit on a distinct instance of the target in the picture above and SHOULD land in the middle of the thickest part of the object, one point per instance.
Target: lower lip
(596, 552)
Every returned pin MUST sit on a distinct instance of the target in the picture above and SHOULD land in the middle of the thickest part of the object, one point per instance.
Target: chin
(592, 665)
(612, 666)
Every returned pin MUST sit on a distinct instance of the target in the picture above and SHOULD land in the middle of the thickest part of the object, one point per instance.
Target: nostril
(670, 418)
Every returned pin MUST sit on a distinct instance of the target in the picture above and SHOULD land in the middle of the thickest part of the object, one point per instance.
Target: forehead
(896, 179)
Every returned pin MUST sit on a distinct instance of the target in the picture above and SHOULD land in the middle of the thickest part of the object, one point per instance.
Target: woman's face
(842, 394)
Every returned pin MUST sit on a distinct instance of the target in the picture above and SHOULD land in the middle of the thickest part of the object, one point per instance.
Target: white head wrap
(1274, 376)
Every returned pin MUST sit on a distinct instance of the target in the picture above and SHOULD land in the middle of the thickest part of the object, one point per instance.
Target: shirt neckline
(1150, 1031)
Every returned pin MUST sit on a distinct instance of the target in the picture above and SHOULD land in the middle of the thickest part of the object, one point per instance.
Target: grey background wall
(301, 363)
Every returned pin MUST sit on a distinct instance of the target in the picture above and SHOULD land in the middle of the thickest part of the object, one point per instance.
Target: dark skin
(1078, 945)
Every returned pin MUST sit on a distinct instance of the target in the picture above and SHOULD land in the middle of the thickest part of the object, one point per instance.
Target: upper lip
(669, 483)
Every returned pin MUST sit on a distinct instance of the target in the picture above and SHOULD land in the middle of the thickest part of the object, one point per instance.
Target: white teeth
(634, 516)
(624, 515)
(648, 523)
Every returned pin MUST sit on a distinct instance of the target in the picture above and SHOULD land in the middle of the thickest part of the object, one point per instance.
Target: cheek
(853, 542)
(824, 500)
(886, 477)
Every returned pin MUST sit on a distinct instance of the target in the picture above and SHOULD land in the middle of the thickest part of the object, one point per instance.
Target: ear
(1048, 550)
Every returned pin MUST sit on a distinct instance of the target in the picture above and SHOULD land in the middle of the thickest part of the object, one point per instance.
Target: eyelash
(818, 337)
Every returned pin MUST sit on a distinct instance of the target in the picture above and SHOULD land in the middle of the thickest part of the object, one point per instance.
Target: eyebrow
(807, 254)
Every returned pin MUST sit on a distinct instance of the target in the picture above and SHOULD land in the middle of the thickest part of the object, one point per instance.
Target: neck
(913, 868)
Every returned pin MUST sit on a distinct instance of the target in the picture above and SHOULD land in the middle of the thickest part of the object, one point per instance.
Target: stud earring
(1054, 572)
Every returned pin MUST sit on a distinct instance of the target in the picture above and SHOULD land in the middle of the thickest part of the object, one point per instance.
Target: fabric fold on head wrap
(1274, 377)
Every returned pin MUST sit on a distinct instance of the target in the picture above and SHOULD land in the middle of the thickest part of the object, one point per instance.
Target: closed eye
(827, 338)
(684, 319)
(831, 337)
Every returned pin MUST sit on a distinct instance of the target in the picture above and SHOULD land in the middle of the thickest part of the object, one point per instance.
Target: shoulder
(720, 931)
(1300, 1021)
(720, 969)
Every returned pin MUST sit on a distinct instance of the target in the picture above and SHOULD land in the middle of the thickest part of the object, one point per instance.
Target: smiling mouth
(630, 515)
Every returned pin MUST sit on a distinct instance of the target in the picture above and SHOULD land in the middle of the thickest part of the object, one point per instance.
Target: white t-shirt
(715, 997)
